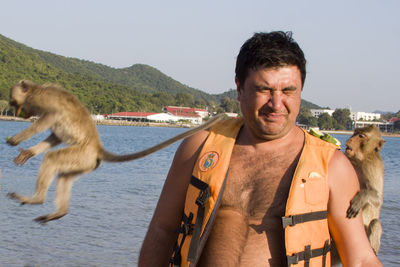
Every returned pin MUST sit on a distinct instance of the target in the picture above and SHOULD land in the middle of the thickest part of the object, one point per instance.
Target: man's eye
(289, 91)
(263, 90)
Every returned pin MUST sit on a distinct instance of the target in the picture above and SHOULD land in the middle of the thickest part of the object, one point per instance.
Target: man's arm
(160, 238)
(349, 234)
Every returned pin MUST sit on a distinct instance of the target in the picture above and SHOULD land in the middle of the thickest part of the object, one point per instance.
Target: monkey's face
(353, 146)
(364, 142)
(18, 94)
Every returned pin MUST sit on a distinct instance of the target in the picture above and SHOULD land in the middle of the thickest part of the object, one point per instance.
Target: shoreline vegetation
(171, 125)
(115, 122)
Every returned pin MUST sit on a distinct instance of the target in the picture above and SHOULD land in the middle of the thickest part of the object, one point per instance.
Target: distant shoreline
(115, 122)
(170, 125)
(341, 132)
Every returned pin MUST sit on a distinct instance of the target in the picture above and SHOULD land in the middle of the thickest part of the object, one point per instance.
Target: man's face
(270, 100)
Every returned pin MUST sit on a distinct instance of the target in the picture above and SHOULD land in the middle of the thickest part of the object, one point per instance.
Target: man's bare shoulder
(341, 171)
(191, 145)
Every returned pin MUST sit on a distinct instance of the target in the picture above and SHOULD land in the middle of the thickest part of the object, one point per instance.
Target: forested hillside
(101, 88)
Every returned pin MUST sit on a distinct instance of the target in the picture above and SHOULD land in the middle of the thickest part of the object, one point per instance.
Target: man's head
(270, 74)
(269, 50)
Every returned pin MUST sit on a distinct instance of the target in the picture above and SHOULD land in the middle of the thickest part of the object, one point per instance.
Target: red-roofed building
(176, 116)
(186, 111)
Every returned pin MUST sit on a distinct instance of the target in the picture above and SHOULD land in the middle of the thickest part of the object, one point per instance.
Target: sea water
(111, 207)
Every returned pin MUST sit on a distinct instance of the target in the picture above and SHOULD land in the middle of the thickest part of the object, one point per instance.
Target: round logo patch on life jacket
(208, 161)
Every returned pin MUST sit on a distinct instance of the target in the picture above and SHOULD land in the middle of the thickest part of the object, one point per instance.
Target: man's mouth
(272, 115)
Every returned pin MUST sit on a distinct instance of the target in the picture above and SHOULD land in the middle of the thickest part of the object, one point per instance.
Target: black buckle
(186, 227)
(307, 254)
(294, 259)
(287, 221)
(305, 217)
(203, 197)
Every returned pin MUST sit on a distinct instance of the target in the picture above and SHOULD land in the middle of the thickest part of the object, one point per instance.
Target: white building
(364, 116)
(156, 117)
(319, 112)
(354, 116)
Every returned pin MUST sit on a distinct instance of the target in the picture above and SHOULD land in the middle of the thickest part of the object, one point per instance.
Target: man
(275, 170)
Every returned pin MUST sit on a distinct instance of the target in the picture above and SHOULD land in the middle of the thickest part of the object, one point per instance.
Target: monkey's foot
(49, 217)
(24, 200)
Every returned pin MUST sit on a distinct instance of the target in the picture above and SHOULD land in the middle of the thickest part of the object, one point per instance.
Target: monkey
(70, 123)
(362, 149)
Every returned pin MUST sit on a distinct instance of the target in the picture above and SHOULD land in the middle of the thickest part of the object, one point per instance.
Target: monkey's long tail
(111, 157)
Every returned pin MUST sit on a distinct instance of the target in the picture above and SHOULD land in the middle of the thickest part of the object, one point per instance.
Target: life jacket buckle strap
(203, 197)
(309, 253)
(294, 259)
(305, 217)
(287, 221)
(187, 226)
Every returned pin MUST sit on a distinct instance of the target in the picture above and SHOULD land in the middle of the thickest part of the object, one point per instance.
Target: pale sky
(351, 46)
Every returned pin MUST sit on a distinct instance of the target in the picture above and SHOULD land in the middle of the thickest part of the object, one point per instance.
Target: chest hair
(259, 181)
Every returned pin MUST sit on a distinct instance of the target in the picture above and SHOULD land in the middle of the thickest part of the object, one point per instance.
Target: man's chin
(271, 133)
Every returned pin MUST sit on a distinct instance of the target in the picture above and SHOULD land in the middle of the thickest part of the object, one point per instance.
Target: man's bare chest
(259, 183)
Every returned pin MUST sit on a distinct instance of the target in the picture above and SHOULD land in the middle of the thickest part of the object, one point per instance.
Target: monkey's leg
(70, 161)
(47, 171)
(374, 232)
(64, 186)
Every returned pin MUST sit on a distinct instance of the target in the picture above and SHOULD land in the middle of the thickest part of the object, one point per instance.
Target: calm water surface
(112, 206)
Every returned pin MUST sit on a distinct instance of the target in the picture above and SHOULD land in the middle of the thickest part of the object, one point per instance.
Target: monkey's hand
(23, 156)
(12, 141)
(355, 206)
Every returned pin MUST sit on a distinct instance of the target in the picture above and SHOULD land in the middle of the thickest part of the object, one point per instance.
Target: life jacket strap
(185, 229)
(201, 200)
(309, 253)
(302, 218)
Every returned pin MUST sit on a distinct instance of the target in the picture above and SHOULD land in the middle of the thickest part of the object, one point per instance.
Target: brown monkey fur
(363, 152)
(71, 123)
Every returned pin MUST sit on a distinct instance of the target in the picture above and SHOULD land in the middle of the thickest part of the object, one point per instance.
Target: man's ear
(238, 88)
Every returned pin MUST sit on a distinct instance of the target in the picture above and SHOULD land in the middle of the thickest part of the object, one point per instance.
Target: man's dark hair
(269, 50)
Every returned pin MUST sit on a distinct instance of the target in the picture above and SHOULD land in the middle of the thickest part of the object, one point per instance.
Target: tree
(342, 117)
(230, 105)
(325, 121)
(183, 99)
(305, 117)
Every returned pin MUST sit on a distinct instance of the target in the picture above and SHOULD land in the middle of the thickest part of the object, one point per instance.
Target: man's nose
(275, 101)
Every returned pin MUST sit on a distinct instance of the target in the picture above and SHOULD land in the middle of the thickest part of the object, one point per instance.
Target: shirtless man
(270, 74)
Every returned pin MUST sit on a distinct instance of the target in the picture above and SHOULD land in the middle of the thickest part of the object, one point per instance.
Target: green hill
(101, 88)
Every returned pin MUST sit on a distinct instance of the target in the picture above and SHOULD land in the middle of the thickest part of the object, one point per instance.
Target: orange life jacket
(307, 236)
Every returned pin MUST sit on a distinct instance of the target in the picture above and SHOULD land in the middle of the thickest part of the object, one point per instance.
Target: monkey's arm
(361, 199)
(50, 142)
(349, 234)
(42, 124)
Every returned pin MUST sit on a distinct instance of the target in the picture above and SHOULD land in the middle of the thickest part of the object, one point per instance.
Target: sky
(351, 47)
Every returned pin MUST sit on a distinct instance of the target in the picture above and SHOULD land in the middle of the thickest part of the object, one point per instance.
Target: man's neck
(247, 138)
